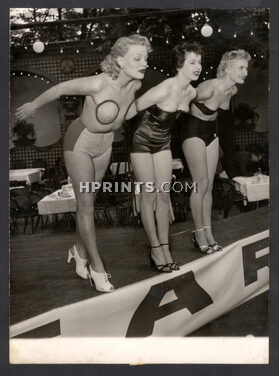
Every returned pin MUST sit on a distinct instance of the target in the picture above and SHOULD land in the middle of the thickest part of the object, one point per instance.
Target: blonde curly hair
(229, 56)
(109, 65)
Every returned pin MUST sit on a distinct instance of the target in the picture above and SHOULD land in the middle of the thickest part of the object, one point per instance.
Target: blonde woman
(200, 142)
(88, 140)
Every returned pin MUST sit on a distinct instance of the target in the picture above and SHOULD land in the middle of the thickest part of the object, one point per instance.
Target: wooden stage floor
(41, 279)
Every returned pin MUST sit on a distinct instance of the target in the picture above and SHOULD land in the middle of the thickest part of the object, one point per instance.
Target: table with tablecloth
(253, 188)
(29, 175)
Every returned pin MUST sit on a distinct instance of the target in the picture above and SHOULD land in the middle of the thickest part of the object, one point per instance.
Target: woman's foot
(170, 263)
(101, 280)
(210, 238)
(81, 263)
(157, 260)
(200, 241)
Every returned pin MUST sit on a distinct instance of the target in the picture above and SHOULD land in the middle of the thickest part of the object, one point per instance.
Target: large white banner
(173, 304)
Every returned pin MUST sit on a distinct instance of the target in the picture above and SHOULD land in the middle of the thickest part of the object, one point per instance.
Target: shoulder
(192, 92)
(207, 85)
(160, 91)
(97, 82)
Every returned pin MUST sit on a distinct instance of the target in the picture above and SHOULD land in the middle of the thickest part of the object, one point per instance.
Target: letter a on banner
(189, 294)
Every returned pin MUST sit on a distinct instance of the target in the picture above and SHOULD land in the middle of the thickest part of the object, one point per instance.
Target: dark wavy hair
(180, 52)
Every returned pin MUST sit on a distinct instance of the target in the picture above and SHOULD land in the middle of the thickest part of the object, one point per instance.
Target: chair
(180, 200)
(124, 207)
(101, 208)
(13, 215)
(26, 210)
(224, 194)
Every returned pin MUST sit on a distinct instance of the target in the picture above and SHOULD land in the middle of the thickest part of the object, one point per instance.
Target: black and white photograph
(139, 185)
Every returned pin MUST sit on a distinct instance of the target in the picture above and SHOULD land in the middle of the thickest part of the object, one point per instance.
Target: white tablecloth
(30, 175)
(252, 188)
(56, 203)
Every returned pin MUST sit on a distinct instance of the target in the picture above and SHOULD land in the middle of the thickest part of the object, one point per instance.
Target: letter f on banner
(190, 295)
(252, 263)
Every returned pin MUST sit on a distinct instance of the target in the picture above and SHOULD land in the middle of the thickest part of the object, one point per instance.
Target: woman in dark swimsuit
(200, 142)
(150, 154)
(88, 141)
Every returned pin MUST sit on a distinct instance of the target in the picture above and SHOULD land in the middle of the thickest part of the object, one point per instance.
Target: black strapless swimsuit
(192, 126)
(154, 131)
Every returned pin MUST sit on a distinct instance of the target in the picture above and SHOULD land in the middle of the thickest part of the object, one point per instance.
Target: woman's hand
(26, 110)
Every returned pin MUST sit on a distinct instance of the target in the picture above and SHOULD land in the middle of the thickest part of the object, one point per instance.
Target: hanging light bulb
(27, 14)
(182, 36)
(251, 33)
(206, 30)
(151, 38)
(38, 46)
(52, 12)
(167, 41)
(234, 35)
(77, 51)
(61, 50)
(219, 30)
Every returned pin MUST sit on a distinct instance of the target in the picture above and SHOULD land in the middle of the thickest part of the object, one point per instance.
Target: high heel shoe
(215, 246)
(101, 281)
(172, 265)
(206, 249)
(81, 264)
(163, 268)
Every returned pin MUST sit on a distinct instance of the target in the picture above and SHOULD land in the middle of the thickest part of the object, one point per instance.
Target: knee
(163, 197)
(210, 185)
(85, 208)
(202, 185)
(148, 197)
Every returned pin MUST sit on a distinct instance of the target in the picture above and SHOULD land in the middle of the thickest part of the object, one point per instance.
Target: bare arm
(204, 91)
(155, 95)
(79, 86)
(132, 110)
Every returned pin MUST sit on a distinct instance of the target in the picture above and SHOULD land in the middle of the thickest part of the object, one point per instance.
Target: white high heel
(81, 264)
(100, 280)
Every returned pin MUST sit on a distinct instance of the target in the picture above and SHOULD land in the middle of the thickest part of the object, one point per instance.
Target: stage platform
(41, 279)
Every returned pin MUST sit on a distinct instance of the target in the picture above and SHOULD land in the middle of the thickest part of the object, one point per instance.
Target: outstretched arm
(204, 91)
(79, 86)
(155, 95)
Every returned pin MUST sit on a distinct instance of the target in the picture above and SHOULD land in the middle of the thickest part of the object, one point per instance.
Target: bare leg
(195, 153)
(144, 170)
(163, 172)
(212, 152)
(101, 164)
(82, 168)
